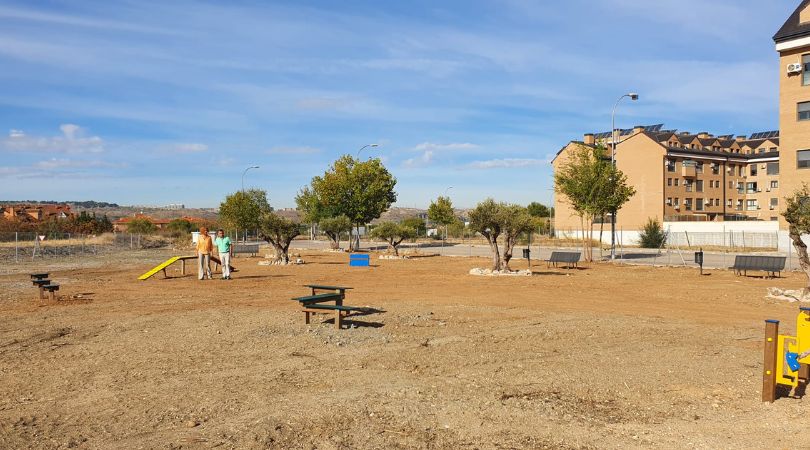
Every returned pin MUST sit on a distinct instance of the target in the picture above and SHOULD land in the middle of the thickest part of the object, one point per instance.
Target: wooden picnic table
(315, 303)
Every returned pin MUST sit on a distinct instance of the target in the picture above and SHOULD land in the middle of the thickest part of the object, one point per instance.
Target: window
(774, 149)
(715, 168)
(753, 168)
(774, 203)
(739, 205)
(717, 202)
(803, 159)
(687, 204)
(688, 185)
(699, 186)
(731, 185)
(773, 168)
(699, 167)
(761, 150)
(739, 171)
(806, 71)
(740, 187)
(751, 187)
(751, 205)
(677, 203)
(803, 111)
(677, 180)
(669, 201)
(728, 203)
(670, 165)
(698, 204)
(774, 184)
(669, 181)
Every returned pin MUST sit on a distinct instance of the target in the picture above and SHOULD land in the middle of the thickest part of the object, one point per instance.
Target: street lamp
(632, 96)
(364, 147)
(243, 176)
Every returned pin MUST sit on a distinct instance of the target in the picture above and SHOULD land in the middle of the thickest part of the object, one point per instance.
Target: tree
(243, 210)
(394, 234)
(360, 190)
(333, 227)
(180, 227)
(593, 187)
(279, 232)
(140, 225)
(536, 209)
(441, 212)
(652, 235)
(515, 220)
(485, 220)
(417, 224)
(797, 215)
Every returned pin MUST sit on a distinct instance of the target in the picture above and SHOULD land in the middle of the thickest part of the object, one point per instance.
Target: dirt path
(606, 357)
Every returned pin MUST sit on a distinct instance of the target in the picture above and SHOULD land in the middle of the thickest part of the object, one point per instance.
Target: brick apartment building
(682, 176)
(698, 177)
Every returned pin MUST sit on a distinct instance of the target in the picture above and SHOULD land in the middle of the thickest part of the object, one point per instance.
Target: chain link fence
(29, 246)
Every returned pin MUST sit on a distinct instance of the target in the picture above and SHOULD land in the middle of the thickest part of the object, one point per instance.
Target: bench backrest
(767, 263)
(565, 257)
(246, 248)
(359, 260)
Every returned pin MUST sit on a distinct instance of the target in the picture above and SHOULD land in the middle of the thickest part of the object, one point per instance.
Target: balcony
(688, 171)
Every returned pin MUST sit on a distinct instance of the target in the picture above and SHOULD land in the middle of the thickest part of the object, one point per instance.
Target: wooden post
(41, 292)
(769, 369)
(52, 294)
(182, 267)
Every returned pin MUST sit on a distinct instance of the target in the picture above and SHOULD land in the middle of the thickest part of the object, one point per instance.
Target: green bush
(652, 235)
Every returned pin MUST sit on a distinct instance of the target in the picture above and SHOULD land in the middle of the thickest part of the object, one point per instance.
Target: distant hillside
(73, 204)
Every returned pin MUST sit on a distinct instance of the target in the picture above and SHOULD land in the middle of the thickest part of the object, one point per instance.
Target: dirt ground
(603, 357)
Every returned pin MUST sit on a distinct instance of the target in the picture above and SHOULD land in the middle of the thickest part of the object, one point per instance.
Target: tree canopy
(797, 215)
(394, 234)
(441, 211)
(536, 209)
(279, 232)
(243, 210)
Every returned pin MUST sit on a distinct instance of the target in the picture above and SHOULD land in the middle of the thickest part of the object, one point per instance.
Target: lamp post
(364, 147)
(243, 176)
(243, 190)
(632, 96)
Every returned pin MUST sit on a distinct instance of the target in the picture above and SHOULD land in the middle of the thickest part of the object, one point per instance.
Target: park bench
(568, 258)
(319, 303)
(771, 265)
(248, 249)
(51, 288)
(39, 276)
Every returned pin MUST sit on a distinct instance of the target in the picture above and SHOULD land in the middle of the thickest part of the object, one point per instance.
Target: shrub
(652, 235)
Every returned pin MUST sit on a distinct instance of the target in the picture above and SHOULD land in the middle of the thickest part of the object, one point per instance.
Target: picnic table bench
(567, 258)
(39, 276)
(39, 283)
(51, 288)
(771, 265)
(319, 303)
(250, 249)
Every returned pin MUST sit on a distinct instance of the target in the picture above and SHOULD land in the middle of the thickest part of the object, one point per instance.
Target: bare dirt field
(604, 357)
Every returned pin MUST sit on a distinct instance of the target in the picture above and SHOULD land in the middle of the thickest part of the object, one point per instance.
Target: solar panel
(765, 134)
(656, 127)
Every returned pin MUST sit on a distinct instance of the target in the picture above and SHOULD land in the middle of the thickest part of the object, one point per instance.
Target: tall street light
(243, 176)
(632, 96)
(364, 147)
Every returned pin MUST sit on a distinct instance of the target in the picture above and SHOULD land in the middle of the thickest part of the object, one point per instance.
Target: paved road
(711, 260)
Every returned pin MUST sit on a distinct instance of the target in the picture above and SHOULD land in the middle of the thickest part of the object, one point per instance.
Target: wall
(642, 160)
(794, 135)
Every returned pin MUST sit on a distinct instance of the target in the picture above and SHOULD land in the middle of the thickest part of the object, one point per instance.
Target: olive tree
(334, 227)
(485, 219)
(441, 212)
(279, 232)
(243, 210)
(797, 215)
(515, 220)
(393, 233)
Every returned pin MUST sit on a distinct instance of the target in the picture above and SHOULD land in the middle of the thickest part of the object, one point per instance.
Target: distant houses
(122, 224)
(36, 213)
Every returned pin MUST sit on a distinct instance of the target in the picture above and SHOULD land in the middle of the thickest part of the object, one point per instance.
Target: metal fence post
(16, 247)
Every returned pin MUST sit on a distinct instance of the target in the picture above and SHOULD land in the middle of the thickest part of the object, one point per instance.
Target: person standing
(205, 247)
(225, 250)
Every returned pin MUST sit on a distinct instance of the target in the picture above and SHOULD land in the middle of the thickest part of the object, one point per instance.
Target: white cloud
(432, 146)
(281, 150)
(72, 140)
(189, 148)
(421, 161)
(506, 163)
(431, 149)
(62, 163)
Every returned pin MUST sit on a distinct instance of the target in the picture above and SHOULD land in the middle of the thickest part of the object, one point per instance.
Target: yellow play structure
(165, 264)
(787, 358)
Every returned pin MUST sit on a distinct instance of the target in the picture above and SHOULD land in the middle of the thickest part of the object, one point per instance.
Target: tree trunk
(801, 252)
(334, 240)
(496, 254)
(282, 254)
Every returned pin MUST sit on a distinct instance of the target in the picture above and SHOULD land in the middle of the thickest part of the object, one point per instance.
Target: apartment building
(793, 45)
(683, 176)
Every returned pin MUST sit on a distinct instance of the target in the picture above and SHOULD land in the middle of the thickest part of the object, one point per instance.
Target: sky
(153, 102)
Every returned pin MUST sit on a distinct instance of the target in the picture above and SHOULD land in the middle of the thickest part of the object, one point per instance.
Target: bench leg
(41, 293)
(338, 319)
(306, 317)
(52, 295)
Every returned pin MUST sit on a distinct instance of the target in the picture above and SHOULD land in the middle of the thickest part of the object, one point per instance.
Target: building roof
(793, 28)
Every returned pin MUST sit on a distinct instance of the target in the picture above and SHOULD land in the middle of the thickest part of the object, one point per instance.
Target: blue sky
(167, 102)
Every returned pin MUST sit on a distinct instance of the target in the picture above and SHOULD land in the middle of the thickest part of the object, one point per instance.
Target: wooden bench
(51, 288)
(39, 276)
(318, 303)
(39, 283)
(771, 265)
(568, 258)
